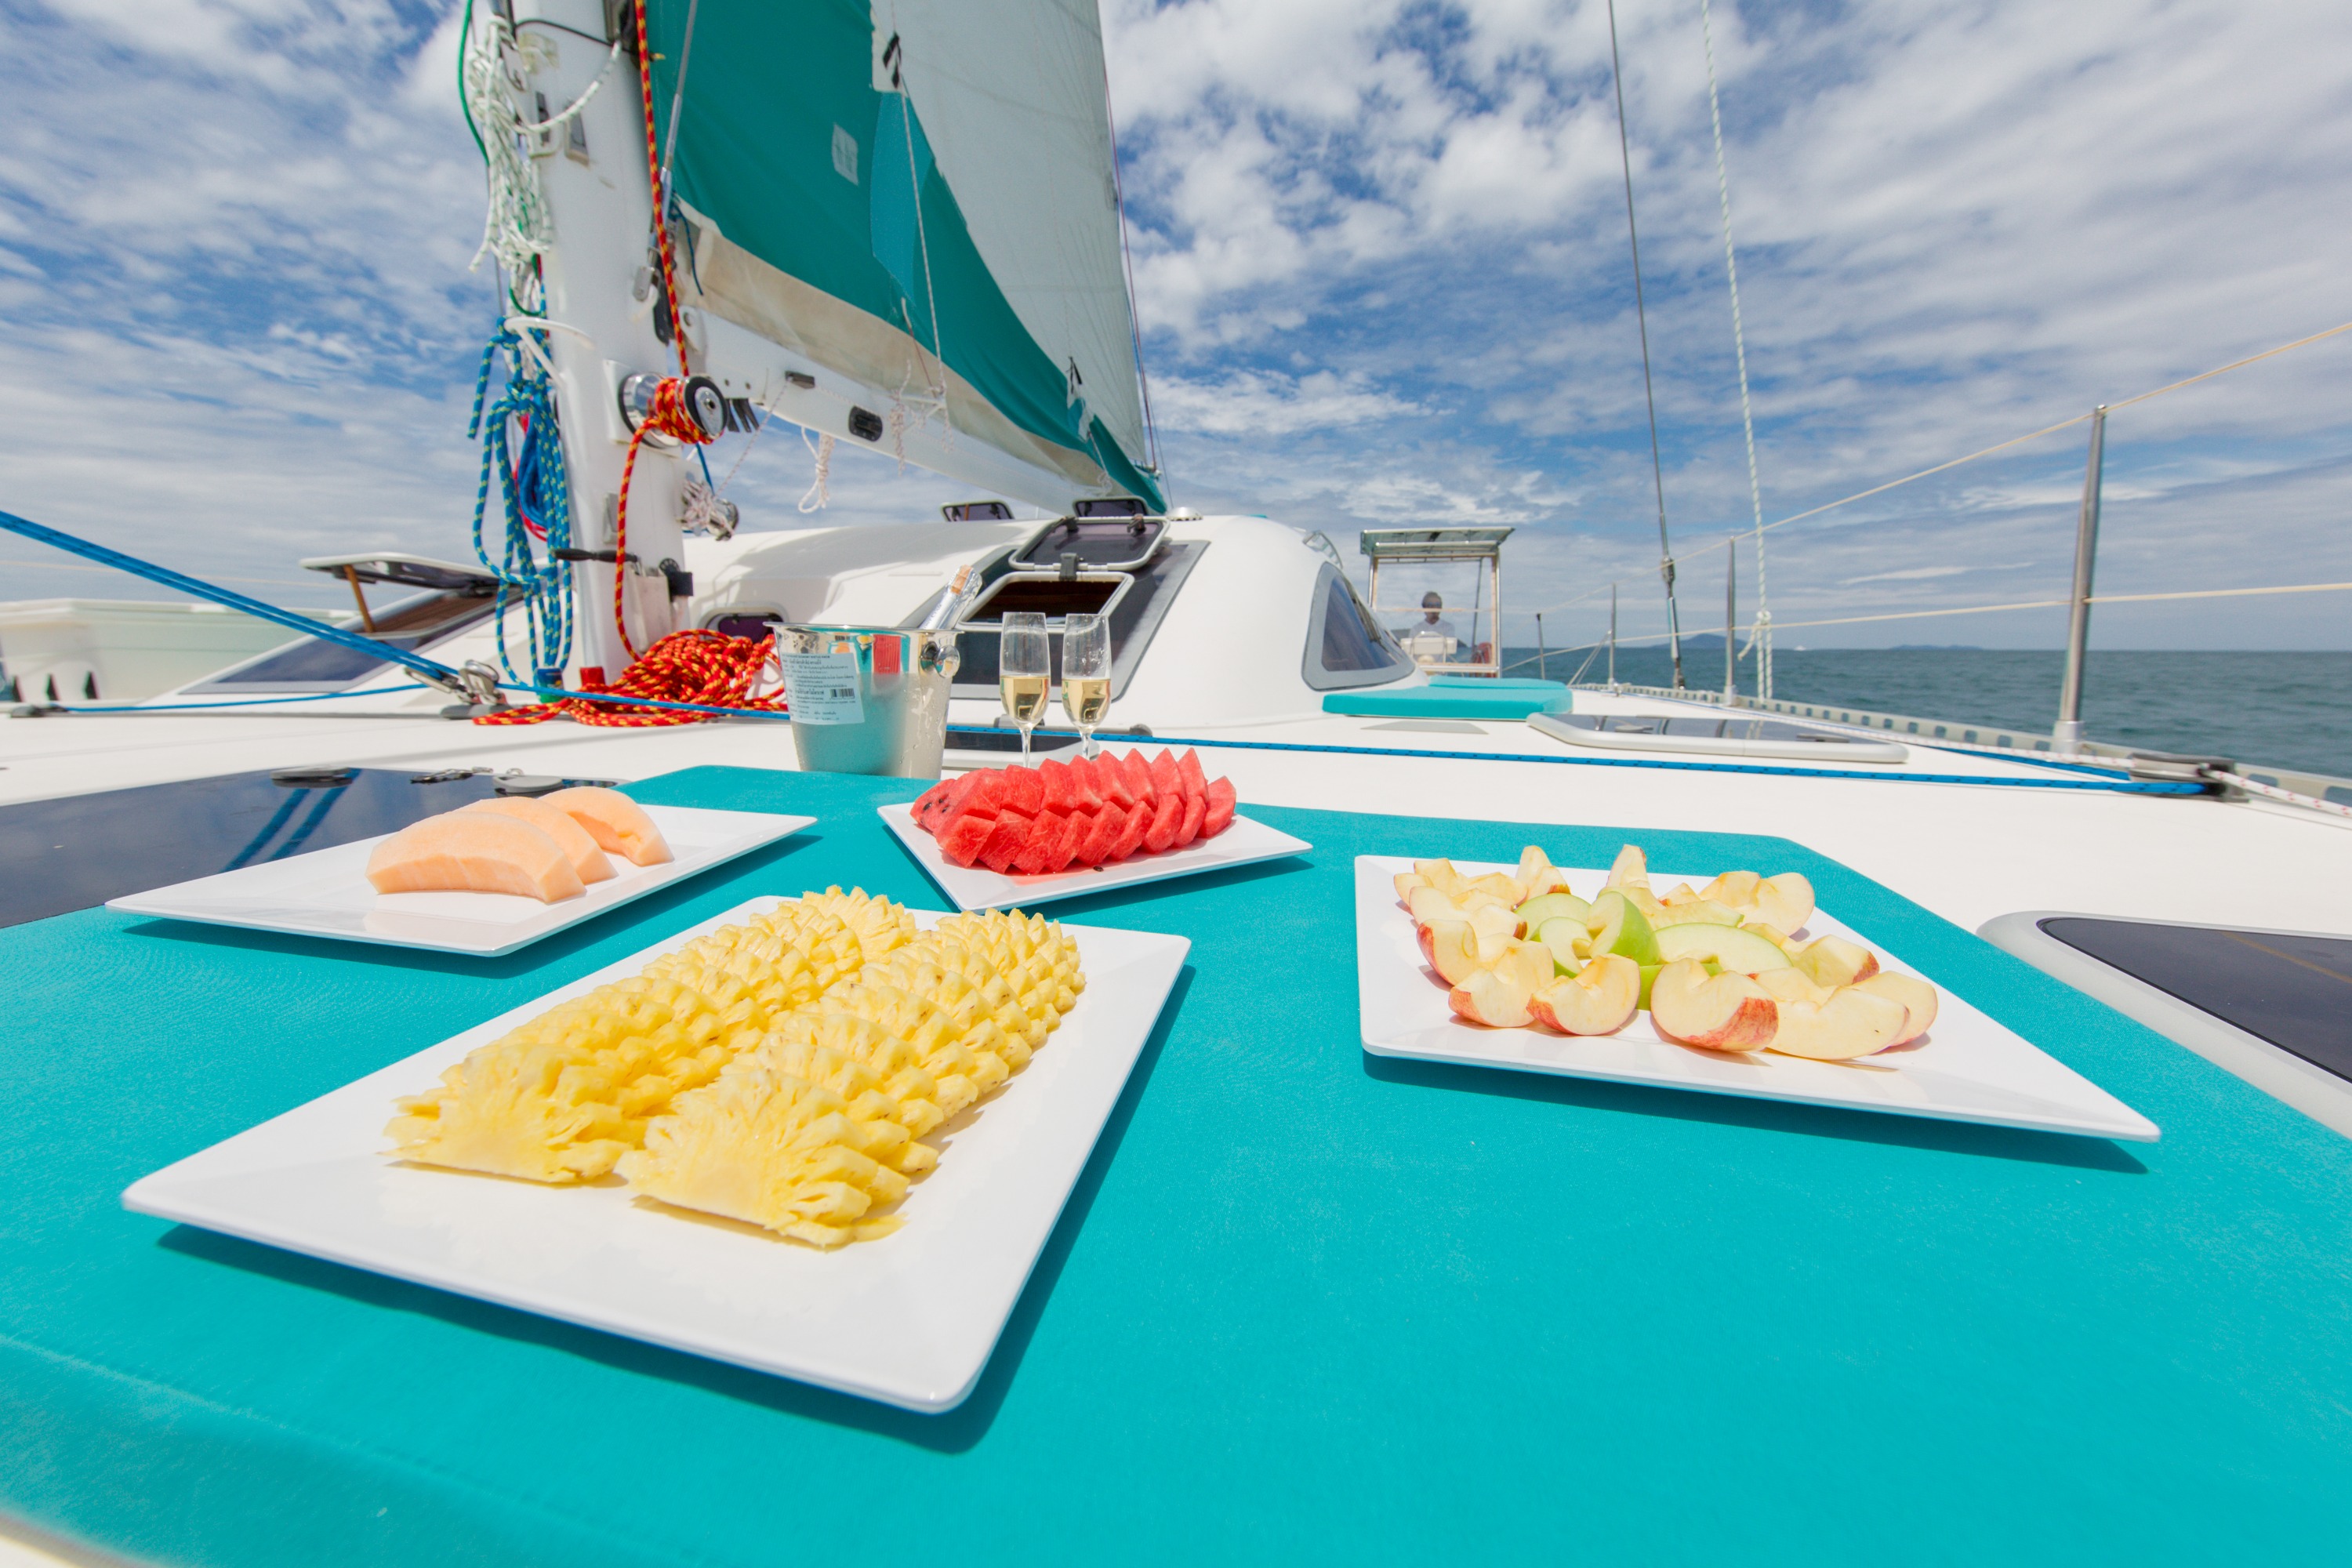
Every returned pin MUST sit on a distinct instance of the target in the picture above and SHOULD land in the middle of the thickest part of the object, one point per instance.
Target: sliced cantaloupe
(614, 821)
(561, 826)
(474, 852)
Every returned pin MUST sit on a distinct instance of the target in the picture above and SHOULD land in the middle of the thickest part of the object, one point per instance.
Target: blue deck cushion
(1499, 682)
(1303, 1305)
(1455, 699)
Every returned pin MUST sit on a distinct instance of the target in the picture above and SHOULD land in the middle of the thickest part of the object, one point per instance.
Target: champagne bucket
(868, 700)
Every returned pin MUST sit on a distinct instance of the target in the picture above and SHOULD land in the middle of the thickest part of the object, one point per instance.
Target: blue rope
(534, 489)
(379, 651)
(243, 701)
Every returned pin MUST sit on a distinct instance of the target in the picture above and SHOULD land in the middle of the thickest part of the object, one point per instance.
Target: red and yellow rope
(704, 666)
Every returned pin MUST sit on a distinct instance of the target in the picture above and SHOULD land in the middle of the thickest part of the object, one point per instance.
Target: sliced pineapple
(561, 1096)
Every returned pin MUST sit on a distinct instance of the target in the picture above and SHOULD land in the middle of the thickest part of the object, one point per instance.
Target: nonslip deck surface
(1304, 1305)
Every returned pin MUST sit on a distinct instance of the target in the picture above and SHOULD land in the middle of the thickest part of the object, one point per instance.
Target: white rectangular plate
(909, 1319)
(1967, 1068)
(326, 892)
(1243, 843)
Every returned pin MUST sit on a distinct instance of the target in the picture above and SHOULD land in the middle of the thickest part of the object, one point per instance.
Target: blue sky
(1381, 262)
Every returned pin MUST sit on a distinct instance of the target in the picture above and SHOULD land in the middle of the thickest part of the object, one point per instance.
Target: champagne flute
(1024, 668)
(1085, 674)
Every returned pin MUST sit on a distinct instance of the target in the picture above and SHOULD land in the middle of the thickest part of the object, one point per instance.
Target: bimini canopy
(918, 195)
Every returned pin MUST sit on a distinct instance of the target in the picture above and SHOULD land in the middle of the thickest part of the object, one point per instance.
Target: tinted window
(313, 664)
(1345, 646)
(2293, 991)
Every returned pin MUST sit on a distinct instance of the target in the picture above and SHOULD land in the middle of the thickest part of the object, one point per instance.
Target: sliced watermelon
(983, 794)
(1131, 835)
(1036, 856)
(1188, 768)
(1166, 818)
(1083, 787)
(965, 839)
(1060, 795)
(1139, 779)
(939, 801)
(1196, 807)
(1111, 782)
(931, 799)
(1221, 808)
(1006, 840)
(1025, 791)
(1109, 824)
(1165, 780)
(1075, 833)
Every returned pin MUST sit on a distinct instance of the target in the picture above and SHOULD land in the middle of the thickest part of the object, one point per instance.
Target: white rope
(2255, 786)
(820, 488)
(1763, 631)
(516, 230)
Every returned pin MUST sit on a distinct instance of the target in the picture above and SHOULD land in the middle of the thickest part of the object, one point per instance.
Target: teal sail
(917, 194)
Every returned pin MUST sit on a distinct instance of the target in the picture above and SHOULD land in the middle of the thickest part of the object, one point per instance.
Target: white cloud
(1256, 402)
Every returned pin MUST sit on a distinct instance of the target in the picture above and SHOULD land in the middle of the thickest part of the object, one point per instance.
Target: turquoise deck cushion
(1304, 1306)
(1499, 682)
(1452, 700)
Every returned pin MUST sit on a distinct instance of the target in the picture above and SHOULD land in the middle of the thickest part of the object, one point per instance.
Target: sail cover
(920, 195)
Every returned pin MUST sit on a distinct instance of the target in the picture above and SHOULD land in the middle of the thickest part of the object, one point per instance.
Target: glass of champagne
(1024, 667)
(1085, 674)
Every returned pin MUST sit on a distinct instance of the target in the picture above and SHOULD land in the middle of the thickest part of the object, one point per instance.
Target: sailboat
(1306, 1286)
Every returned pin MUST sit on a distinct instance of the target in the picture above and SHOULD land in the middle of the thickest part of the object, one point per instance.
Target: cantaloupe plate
(1244, 842)
(326, 892)
(909, 1319)
(1965, 1068)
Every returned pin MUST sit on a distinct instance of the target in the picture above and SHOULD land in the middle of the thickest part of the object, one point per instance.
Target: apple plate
(1243, 843)
(1965, 1068)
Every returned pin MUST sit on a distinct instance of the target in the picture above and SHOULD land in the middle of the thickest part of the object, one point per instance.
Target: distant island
(1935, 647)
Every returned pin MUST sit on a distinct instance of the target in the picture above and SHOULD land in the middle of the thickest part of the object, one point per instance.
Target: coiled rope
(711, 671)
(538, 502)
(668, 417)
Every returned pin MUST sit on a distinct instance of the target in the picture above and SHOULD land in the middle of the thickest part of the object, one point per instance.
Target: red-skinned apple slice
(1428, 904)
(1599, 999)
(1720, 1011)
(1834, 961)
(1632, 869)
(1918, 999)
(1850, 1024)
(1452, 949)
(1488, 998)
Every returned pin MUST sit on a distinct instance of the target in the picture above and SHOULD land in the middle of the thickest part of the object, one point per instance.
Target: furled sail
(917, 194)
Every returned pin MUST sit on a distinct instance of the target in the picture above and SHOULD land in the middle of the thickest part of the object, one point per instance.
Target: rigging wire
(1642, 316)
(1126, 257)
(1762, 635)
(656, 182)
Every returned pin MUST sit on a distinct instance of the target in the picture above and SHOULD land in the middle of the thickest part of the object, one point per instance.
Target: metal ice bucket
(868, 700)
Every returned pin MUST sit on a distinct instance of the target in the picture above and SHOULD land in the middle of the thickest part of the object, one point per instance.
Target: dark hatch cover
(2293, 991)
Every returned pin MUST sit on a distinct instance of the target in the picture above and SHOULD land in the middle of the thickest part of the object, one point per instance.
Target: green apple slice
(1623, 928)
(1565, 934)
(1552, 906)
(1741, 952)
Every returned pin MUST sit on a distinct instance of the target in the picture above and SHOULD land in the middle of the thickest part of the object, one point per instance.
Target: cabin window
(1345, 646)
(312, 665)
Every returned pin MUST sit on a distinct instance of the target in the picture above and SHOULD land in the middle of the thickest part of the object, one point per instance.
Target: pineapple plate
(1967, 1068)
(908, 1318)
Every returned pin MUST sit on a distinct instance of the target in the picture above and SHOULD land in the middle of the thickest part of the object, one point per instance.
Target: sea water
(2286, 709)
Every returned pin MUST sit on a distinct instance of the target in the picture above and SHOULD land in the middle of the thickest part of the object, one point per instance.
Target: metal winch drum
(868, 700)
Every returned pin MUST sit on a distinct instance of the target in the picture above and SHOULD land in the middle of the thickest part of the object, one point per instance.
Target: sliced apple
(1770, 934)
(1631, 870)
(1785, 901)
(1698, 912)
(1852, 1022)
(1835, 962)
(1440, 874)
(1428, 904)
(1623, 930)
(1406, 881)
(1493, 999)
(1496, 927)
(1727, 946)
(1599, 999)
(1736, 888)
(1680, 893)
(1500, 886)
(1570, 939)
(1526, 964)
(1792, 985)
(1535, 872)
(1720, 1011)
(1553, 906)
(1918, 999)
(1452, 949)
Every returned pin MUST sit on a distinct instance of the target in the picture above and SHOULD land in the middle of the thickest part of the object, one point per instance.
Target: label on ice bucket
(822, 688)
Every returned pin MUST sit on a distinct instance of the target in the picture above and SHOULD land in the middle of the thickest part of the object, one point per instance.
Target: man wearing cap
(1421, 637)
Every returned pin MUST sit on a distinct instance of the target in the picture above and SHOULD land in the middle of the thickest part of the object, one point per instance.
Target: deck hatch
(2293, 991)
